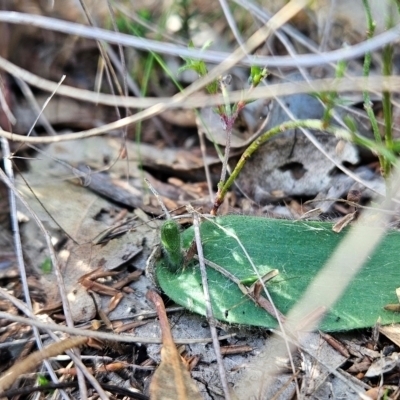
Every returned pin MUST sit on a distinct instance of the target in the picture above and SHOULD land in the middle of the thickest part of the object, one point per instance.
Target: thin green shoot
(387, 61)
(199, 66)
(313, 124)
(387, 58)
(366, 69)
(331, 99)
(137, 30)
(227, 112)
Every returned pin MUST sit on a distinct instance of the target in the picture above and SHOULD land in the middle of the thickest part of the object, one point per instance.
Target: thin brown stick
(98, 334)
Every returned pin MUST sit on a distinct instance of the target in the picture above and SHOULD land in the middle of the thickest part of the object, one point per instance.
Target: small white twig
(81, 380)
(207, 300)
(162, 205)
(45, 104)
(27, 92)
(231, 21)
(8, 179)
(203, 150)
(305, 60)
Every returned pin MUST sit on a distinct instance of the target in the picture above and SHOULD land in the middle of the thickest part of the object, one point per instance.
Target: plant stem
(228, 121)
(366, 69)
(387, 105)
(387, 57)
(331, 99)
(228, 117)
(313, 124)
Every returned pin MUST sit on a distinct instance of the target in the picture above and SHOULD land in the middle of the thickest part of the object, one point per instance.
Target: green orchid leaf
(298, 250)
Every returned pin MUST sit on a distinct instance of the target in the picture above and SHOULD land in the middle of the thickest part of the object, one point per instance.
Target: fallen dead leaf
(382, 365)
(392, 332)
(77, 211)
(286, 165)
